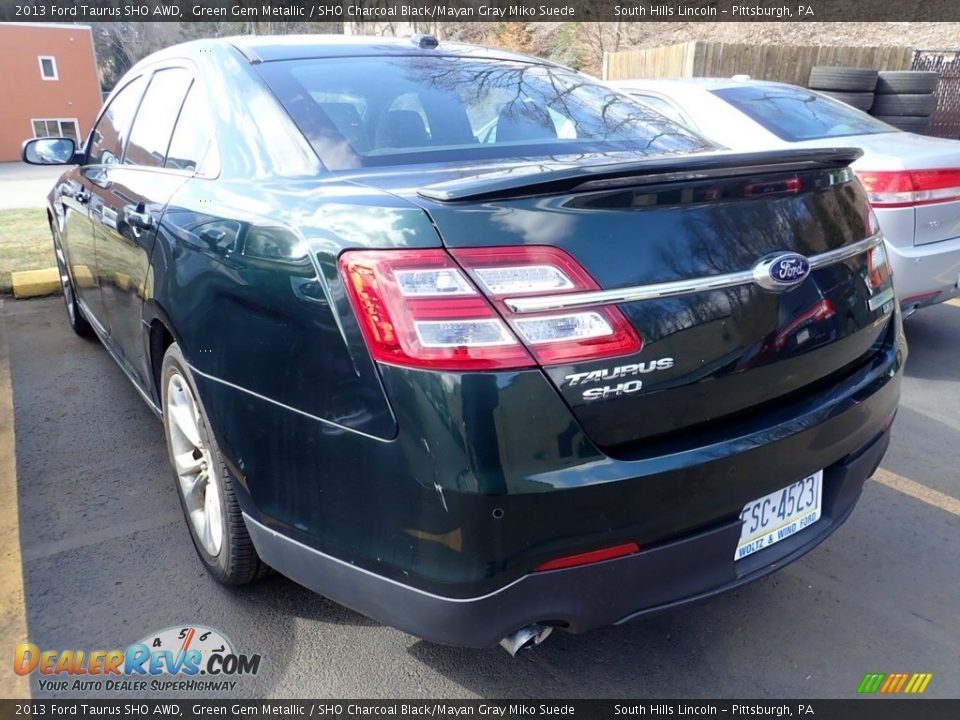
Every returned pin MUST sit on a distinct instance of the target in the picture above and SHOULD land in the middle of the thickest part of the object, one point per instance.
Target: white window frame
(75, 122)
(53, 61)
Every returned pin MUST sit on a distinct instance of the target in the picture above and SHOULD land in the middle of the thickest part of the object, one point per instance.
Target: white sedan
(912, 181)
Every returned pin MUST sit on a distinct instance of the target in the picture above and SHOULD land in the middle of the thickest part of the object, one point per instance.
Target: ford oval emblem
(781, 272)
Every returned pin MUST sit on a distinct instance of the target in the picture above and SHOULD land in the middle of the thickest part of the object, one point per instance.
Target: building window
(57, 127)
(48, 67)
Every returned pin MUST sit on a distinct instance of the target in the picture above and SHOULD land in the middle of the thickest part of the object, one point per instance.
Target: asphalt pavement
(26, 186)
(107, 560)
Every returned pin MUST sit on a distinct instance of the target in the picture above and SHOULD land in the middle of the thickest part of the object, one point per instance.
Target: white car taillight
(908, 188)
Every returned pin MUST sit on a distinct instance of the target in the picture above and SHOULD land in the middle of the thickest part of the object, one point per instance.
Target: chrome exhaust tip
(526, 638)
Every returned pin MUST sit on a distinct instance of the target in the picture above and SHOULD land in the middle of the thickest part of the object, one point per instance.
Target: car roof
(270, 48)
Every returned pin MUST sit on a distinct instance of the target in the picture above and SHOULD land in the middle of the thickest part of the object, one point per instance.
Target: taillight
(878, 267)
(552, 338)
(908, 188)
(418, 308)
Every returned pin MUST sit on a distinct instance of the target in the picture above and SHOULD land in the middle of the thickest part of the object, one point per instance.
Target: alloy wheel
(193, 464)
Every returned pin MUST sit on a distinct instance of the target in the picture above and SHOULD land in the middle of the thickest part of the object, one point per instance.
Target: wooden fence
(783, 63)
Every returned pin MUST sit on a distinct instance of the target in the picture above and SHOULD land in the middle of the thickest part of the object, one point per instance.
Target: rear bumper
(579, 599)
(925, 274)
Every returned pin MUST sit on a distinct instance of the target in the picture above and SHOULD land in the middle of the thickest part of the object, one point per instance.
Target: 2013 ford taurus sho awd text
(469, 342)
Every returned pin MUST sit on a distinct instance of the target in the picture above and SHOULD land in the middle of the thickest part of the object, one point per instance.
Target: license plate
(779, 515)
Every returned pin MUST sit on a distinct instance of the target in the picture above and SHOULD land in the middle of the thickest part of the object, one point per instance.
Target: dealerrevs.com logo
(183, 658)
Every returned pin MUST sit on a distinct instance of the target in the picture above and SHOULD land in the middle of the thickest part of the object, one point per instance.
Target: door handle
(138, 217)
(78, 194)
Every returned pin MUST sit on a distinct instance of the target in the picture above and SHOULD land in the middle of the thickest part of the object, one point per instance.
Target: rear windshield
(368, 112)
(794, 114)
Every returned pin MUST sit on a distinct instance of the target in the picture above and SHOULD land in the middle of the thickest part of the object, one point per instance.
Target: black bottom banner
(852, 709)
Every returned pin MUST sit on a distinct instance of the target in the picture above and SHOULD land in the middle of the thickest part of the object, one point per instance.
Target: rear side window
(106, 141)
(156, 117)
(192, 146)
(795, 114)
(368, 112)
(664, 107)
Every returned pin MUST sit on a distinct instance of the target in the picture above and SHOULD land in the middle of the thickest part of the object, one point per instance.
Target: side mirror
(49, 151)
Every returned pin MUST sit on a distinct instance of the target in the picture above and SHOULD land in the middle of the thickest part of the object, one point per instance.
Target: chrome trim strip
(593, 298)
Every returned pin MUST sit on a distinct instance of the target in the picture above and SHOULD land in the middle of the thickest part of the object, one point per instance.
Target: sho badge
(624, 388)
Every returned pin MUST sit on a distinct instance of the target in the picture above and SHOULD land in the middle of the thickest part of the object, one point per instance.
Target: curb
(35, 283)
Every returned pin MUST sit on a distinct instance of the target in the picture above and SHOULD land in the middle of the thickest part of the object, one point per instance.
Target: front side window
(795, 114)
(156, 117)
(107, 139)
(368, 112)
(48, 67)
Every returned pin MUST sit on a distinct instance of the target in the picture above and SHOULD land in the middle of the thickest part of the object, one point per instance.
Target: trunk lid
(640, 229)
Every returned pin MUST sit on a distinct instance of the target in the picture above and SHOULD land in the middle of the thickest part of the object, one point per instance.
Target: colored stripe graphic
(894, 683)
(871, 682)
(920, 682)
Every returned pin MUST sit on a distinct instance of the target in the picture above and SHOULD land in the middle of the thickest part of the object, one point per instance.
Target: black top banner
(881, 709)
(426, 11)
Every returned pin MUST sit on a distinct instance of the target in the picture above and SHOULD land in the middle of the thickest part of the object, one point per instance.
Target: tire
(909, 124)
(861, 101)
(905, 105)
(911, 82)
(843, 79)
(204, 484)
(78, 322)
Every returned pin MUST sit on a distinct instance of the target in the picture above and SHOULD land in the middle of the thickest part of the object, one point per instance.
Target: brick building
(48, 82)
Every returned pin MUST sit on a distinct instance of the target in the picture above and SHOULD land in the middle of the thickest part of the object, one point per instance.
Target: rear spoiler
(550, 178)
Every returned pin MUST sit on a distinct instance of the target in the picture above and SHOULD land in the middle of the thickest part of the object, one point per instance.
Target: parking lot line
(13, 616)
(914, 489)
(954, 301)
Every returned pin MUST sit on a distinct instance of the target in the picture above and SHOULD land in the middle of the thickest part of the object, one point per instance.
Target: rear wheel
(75, 315)
(204, 484)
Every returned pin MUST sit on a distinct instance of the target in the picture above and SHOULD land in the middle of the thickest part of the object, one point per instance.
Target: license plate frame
(779, 515)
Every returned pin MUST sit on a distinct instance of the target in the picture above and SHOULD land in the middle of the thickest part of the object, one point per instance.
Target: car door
(130, 197)
(81, 203)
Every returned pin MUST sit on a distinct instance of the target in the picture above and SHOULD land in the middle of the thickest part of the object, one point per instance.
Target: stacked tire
(906, 99)
(853, 86)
